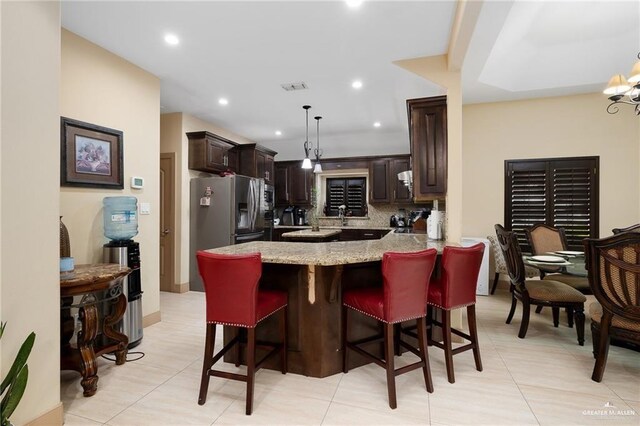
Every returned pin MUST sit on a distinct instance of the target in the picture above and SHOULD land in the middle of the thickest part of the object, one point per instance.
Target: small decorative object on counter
(313, 214)
(65, 245)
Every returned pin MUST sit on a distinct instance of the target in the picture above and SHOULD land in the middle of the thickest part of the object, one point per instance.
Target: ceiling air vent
(294, 86)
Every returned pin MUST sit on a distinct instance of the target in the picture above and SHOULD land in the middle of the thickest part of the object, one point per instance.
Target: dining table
(564, 262)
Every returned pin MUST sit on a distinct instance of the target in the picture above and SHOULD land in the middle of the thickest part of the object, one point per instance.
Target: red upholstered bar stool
(233, 299)
(456, 288)
(401, 298)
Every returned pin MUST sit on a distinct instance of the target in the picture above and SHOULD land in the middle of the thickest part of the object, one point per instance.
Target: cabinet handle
(394, 194)
(225, 160)
(368, 234)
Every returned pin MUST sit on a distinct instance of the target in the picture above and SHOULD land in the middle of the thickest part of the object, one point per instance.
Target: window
(350, 192)
(561, 192)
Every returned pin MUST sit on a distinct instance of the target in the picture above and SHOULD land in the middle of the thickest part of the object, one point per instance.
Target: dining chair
(614, 276)
(233, 299)
(632, 228)
(500, 265)
(537, 292)
(544, 239)
(402, 296)
(455, 288)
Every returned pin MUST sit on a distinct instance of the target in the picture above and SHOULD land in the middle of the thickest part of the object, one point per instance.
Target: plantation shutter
(347, 192)
(557, 192)
(572, 203)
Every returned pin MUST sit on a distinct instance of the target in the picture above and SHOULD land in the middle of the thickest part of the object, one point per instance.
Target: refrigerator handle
(252, 205)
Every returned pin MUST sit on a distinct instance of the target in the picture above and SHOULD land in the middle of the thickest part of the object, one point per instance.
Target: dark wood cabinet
(292, 184)
(379, 181)
(281, 175)
(384, 186)
(399, 192)
(211, 153)
(362, 234)
(257, 161)
(428, 139)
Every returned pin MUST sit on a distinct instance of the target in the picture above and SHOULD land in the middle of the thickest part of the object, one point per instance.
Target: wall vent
(294, 86)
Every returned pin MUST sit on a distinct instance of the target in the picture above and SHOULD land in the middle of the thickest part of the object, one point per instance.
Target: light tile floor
(542, 379)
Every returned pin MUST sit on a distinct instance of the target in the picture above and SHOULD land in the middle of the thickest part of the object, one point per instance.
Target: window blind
(558, 192)
(348, 192)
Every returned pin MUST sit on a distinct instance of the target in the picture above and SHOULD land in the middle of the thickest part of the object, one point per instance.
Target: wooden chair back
(508, 242)
(544, 238)
(632, 228)
(613, 264)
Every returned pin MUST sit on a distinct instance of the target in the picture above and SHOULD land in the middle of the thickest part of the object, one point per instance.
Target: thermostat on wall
(137, 182)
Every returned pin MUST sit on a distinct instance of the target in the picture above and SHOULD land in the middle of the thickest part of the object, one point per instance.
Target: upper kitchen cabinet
(384, 186)
(257, 161)
(428, 138)
(292, 184)
(211, 153)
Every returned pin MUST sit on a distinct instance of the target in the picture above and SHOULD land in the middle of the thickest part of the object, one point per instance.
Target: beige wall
(101, 88)
(29, 282)
(174, 127)
(549, 127)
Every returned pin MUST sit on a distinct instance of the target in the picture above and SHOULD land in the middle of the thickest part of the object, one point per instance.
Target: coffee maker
(300, 216)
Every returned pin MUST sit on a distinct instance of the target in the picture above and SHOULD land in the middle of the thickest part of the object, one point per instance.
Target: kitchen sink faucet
(341, 215)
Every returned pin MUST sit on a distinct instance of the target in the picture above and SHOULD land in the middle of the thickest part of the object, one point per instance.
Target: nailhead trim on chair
(453, 307)
(244, 325)
(380, 319)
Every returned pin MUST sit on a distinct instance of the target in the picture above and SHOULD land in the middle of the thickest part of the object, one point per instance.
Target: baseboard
(150, 319)
(55, 416)
(180, 288)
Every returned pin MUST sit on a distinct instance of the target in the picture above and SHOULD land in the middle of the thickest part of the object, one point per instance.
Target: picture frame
(90, 156)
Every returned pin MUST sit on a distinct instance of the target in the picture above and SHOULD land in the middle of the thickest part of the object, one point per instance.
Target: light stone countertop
(334, 253)
(308, 233)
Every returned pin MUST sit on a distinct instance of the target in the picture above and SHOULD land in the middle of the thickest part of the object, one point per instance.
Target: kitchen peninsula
(314, 275)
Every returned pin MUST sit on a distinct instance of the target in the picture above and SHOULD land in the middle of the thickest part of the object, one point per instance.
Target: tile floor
(543, 379)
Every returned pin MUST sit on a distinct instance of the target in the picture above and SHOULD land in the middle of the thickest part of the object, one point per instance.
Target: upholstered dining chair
(402, 296)
(544, 239)
(614, 274)
(233, 299)
(537, 292)
(500, 265)
(632, 228)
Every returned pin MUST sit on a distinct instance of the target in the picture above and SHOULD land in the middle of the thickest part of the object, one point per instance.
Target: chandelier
(624, 91)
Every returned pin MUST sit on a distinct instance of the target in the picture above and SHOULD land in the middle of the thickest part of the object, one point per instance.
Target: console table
(85, 288)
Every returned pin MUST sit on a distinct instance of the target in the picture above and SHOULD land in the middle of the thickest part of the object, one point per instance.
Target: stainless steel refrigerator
(224, 211)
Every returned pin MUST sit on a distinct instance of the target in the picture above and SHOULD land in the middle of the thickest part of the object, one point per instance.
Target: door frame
(174, 286)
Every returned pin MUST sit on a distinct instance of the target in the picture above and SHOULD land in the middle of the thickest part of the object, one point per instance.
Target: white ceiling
(244, 51)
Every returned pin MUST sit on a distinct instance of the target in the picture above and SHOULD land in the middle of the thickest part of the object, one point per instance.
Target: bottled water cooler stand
(127, 253)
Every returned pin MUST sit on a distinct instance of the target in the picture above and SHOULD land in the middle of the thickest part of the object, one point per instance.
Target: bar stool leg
(473, 332)
(422, 342)
(206, 363)
(345, 340)
(556, 316)
(283, 332)
(388, 354)
(251, 367)
(446, 338)
(239, 346)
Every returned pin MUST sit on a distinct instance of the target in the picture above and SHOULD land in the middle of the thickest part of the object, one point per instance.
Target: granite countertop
(308, 233)
(334, 253)
(299, 227)
(92, 274)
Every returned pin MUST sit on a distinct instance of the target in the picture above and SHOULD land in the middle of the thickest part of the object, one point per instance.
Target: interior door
(167, 215)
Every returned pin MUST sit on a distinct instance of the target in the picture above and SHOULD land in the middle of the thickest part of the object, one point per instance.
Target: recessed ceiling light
(171, 39)
(223, 101)
(357, 84)
(354, 4)
(278, 133)
(376, 124)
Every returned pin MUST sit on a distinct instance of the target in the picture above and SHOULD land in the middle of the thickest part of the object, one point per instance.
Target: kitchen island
(314, 275)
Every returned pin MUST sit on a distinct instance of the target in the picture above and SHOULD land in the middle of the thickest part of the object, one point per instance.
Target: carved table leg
(88, 367)
(118, 307)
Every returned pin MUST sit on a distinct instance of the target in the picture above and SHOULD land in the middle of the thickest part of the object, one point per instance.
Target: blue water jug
(120, 217)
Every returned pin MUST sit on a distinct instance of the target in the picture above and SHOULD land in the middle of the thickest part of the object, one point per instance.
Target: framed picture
(91, 156)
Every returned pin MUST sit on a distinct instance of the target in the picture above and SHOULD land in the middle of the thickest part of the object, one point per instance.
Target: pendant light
(306, 163)
(317, 151)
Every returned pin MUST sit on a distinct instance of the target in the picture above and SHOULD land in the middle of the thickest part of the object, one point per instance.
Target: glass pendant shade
(306, 163)
(635, 73)
(317, 168)
(618, 85)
